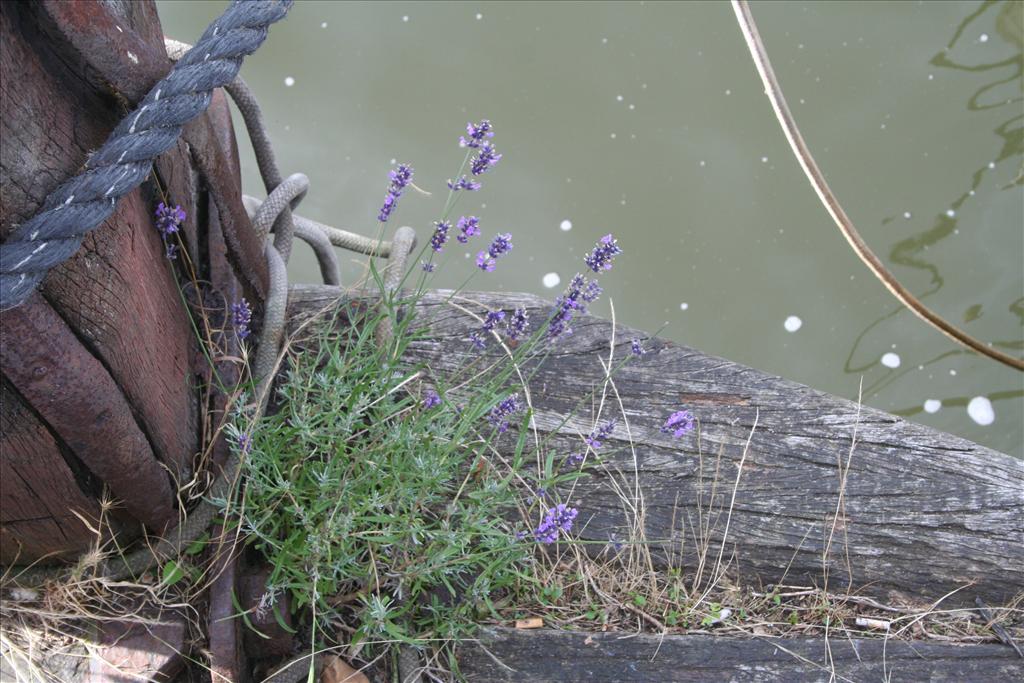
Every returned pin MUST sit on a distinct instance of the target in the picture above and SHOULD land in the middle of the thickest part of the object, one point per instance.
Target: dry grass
(46, 632)
(637, 584)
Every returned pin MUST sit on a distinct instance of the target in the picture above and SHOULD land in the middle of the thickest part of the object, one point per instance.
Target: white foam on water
(405, 17)
(551, 280)
(891, 360)
(618, 98)
(983, 38)
(793, 323)
(991, 164)
(565, 225)
(613, 136)
(703, 163)
(950, 212)
(932, 405)
(980, 410)
(683, 306)
(764, 160)
(906, 214)
(323, 24)
(479, 16)
(289, 81)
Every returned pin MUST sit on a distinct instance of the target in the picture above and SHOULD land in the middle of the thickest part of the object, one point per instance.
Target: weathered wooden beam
(223, 628)
(43, 359)
(126, 311)
(923, 513)
(569, 656)
(40, 492)
(133, 651)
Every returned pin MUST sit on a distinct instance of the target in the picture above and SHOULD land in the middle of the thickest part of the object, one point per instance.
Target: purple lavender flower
(678, 423)
(485, 159)
(574, 459)
(596, 438)
(484, 262)
(170, 251)
(636, 347)
(501, 245)
(492, 319)
(517, 324)
(573, 301)
(428, 267)
(431, 399)
(400, 177)
(468, 227)
(556, 519)
(476, 134)
(591, 292)
(500, 413)
(440, 235)
(463, 183)
(244, 443)
(169, 220)
(241, 316)
(601, 257)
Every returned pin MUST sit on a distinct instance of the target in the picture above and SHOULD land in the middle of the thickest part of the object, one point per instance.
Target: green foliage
(356, 489)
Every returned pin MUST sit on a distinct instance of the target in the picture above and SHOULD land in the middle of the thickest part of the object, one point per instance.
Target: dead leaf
(337, 671)
(589, 640)
(532, 622)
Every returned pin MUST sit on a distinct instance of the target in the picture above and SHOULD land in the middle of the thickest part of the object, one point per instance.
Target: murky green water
(648, 120)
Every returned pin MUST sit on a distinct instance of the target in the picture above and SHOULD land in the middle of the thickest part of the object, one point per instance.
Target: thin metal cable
(835, 210)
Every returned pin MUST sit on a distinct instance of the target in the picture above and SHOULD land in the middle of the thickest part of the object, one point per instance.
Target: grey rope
(314, 237)
(283, 197)
(324, 250)
(349, 240)
(82, 203)
(265, 160)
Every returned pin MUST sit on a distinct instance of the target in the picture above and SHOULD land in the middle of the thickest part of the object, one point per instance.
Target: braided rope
(82, 203)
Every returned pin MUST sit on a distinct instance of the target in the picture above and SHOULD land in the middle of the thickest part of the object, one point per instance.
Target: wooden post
(103, 377)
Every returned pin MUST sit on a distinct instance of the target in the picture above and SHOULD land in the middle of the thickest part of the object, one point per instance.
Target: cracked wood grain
(544, 656)
(925, 513)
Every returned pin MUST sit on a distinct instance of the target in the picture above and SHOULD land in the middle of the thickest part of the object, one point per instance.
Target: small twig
(998, 629)
(645, 616)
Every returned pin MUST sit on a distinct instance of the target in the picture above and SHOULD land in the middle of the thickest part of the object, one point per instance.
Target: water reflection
(957, 402)
(910, 252)
(753, 280)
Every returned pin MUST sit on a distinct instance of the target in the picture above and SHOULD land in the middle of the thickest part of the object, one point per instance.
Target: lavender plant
(376, 491)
